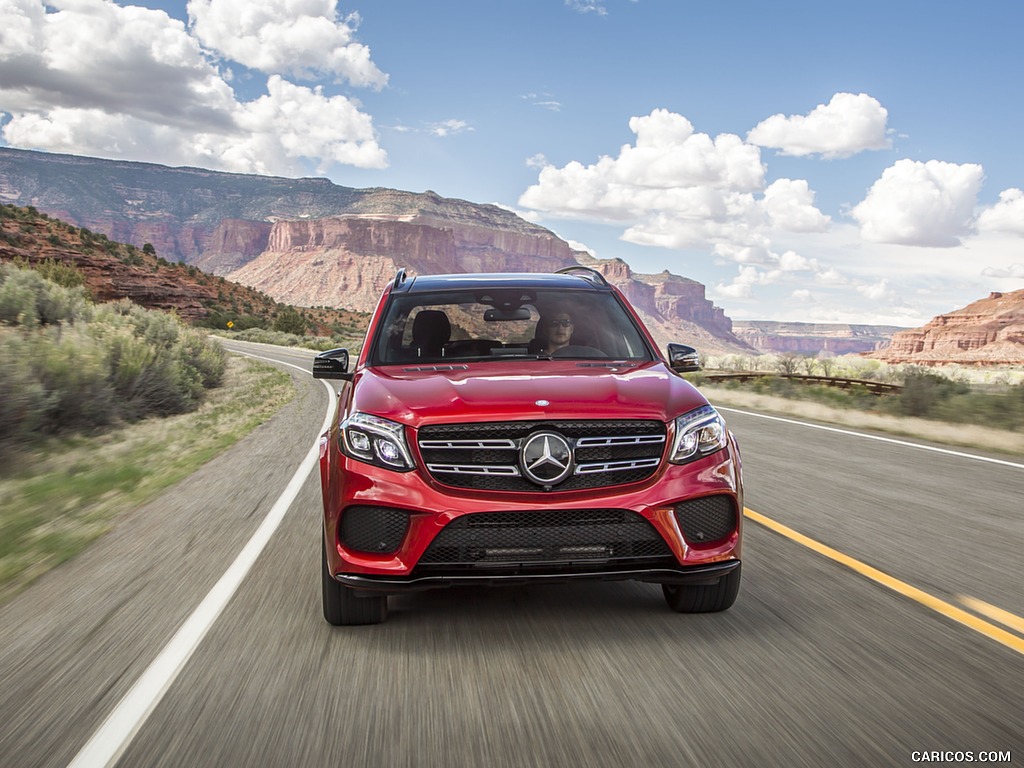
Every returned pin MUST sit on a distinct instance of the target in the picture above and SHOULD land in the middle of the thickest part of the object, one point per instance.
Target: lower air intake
(706, 520)
(379, 530)
(579, 538)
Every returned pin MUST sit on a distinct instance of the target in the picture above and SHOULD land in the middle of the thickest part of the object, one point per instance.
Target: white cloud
(544, 101)
(305, 123)
(732, 291)
(848, 124)
(677, 188)
(1005, 216)
(802, 295)
(879, 291)
(303, 38)
(1015, 271)
(790, 206)
(587, 6)
(20, 32)
(147, 65)
(449, 128)
(148, 93)
(536, 161)
(831, 276)
(746, 254)
(916, 203)
(791, 261)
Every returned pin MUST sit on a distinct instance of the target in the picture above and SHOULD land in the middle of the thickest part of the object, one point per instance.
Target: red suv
(510, 428)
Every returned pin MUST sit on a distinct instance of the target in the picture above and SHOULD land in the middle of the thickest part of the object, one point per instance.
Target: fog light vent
(377, 530)
(706, 520)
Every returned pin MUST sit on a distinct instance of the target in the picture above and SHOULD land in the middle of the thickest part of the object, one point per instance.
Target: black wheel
(341, 605)
(703, 598)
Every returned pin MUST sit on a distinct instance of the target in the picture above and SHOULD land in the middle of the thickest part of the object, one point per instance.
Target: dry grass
(951, 434)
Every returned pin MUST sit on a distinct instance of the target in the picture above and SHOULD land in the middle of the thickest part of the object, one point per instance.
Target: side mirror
(332, 364)
(683, 359)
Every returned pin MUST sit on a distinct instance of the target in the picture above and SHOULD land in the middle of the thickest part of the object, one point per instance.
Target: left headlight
(698, 433)
(376, 441)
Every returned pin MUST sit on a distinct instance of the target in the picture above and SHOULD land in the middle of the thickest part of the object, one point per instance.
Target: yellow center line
(1011, 620)
(949, 610)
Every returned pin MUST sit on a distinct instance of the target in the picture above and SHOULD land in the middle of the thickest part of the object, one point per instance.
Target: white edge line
(109, 742)
(875, 437)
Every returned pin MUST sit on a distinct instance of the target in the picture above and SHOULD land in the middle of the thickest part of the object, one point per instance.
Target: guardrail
(874, 387)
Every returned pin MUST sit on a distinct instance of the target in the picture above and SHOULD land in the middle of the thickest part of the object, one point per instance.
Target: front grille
(573, 539)
(707, 519)
(486, 456)
(379, 530)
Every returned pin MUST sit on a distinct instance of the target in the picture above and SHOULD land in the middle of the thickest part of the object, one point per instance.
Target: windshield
(479, 324)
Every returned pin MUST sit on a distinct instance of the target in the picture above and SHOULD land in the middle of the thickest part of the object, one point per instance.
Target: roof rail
(399, 278)
(588, 273)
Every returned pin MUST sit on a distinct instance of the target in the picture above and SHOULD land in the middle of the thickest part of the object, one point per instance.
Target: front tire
(341, 605)
(703, 598)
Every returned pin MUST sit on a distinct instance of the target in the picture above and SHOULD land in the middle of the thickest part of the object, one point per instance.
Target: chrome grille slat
(465, 444)
(479, 469)
(615, 466)
(601, 442)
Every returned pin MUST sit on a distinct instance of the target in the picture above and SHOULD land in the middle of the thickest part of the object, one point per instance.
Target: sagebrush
(71, 365)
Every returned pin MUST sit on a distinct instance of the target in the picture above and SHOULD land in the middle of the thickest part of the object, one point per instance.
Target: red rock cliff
(346, 260)
(988, 332)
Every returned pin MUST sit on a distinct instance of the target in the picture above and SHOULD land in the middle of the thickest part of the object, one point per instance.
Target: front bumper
(432, 508)
(699, 574)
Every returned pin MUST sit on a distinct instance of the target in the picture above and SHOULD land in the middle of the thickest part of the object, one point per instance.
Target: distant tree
(787, 363)
(61, 273)
(810, 365)
(148, 249)
(289, 320)
(828, 364)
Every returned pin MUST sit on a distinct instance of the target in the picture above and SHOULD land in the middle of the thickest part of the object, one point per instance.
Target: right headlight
(376, 441)
(698, 433)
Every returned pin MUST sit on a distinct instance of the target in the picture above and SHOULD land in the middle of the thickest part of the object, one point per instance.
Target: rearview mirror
(682, 358)
(496, 315)
(332, 364)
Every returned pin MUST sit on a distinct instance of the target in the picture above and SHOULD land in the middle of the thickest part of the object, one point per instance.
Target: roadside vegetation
(956, 404)
(46, 243)
(71, 366)
(102, 406)
(350, 339)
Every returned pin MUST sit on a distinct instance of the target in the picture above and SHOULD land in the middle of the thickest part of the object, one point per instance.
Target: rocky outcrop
(674, 308)
(347, 260)
(814, 338)
(988, 332)
(167, 287)
(216, 220)
(234, 243)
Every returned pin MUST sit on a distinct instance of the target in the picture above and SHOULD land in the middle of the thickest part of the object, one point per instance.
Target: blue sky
(812, 161)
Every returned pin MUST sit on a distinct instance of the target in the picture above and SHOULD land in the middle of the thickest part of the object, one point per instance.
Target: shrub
(61, 273)
(28, 298)
(115, 362)
(288, 320)
(22, 399)
(922, 391)
(71, 369)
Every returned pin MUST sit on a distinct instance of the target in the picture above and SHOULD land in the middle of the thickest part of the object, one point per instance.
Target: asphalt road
(817, 664)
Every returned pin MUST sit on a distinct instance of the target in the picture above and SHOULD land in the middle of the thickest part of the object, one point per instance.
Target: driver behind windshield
(554, 331)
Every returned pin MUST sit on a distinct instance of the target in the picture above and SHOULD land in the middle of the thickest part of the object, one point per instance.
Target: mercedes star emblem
(546, 458)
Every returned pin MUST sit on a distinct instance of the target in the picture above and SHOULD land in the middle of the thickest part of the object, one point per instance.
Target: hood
(506, 390)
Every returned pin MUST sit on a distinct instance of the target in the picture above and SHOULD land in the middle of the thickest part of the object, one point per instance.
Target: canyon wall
(989, 331)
